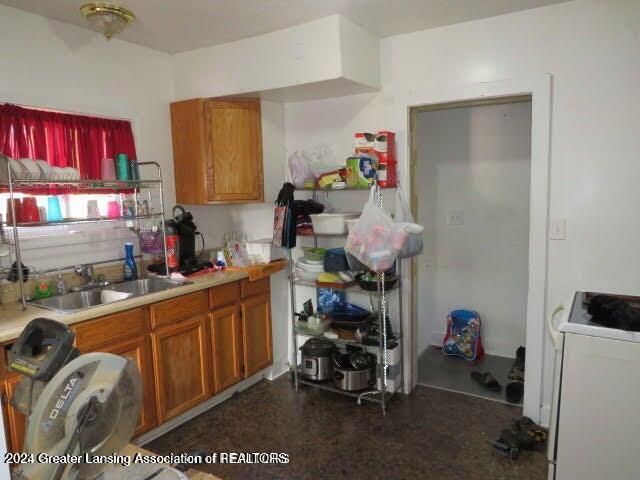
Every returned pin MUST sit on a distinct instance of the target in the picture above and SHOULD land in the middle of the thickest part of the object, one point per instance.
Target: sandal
(487, 380)
(514, 392)
(535, 431)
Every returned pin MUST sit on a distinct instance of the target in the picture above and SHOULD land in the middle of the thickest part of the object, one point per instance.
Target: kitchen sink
(73, 302)
(145, 286)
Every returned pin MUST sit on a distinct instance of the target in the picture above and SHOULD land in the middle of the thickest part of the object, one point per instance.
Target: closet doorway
(471, 191)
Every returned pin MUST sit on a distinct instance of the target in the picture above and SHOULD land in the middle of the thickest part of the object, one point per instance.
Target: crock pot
(353, 372)
(316, 359)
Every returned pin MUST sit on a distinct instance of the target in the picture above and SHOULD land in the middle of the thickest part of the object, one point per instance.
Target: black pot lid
(317, 347)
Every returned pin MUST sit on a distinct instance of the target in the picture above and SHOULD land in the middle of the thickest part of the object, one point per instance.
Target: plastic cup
(108, 169)
(30, 212)
(54, 214)
(113, 209)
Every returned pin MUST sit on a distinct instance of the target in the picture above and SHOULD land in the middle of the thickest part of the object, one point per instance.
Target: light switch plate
(558, 229)
(455, 217)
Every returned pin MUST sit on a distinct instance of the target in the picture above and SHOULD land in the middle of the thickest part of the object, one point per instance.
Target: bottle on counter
(130, 269)
(61, 285)
(42, 289)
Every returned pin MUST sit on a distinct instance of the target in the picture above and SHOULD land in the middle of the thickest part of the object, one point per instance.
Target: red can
(173, 251)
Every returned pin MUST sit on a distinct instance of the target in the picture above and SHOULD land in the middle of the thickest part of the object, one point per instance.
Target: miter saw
(83, 406)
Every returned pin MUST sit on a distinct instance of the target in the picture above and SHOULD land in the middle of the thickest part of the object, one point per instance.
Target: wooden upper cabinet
(217, 151)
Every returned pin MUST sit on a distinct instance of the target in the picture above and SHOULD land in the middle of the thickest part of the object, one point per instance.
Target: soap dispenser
(130, 269)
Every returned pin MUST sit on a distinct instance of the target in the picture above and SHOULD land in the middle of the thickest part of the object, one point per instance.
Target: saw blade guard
(115, 382)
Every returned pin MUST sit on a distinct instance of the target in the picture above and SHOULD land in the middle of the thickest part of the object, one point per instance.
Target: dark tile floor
(430, 434)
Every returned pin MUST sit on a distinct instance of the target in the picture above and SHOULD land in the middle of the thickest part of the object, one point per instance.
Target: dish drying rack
(25, 179)
(381, 396)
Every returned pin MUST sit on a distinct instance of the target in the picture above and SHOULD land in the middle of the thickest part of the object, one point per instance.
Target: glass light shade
(106, 23)
(107, 18)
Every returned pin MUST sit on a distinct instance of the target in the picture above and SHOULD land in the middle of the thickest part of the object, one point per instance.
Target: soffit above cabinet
(330, 57)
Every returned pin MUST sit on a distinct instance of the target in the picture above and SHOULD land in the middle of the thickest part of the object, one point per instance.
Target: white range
(595, 424)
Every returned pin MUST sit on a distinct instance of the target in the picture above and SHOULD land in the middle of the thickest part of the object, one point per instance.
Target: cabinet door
(256, 329)
(139, 350)
(190, 159)
(15, 422)
(234, 170)
(226, 340)
(182, 366)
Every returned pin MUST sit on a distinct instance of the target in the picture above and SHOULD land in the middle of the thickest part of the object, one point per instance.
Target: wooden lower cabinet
(184, 351)
(139, 350)
(181, 358)
(15, 422)
(256, 333)
(226, 342)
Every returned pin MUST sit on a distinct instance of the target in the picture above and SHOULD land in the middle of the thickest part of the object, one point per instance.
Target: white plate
(306, 276)
(17, 169)
(57, 173)
(309, 267)
(314, 262)
(31, 169)
(71, 173)
(45, 169)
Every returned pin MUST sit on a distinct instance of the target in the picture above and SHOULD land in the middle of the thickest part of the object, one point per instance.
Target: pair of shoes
(524, 434)
(515, 387)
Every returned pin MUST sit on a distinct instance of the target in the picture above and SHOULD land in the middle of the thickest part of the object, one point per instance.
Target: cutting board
(261, 270)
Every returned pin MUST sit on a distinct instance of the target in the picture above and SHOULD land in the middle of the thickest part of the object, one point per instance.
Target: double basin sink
(95, 297)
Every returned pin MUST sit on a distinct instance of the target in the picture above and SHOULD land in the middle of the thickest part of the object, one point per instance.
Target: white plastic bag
(375, 240)
(300, 168)
(413, 246)
(309, 164)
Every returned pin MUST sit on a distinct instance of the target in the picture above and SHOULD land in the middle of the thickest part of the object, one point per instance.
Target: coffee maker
(183, 226)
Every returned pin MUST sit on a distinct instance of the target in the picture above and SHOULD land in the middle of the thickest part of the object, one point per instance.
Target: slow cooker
(353, 371)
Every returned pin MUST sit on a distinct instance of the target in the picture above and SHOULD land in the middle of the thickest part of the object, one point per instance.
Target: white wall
(474, 161)
(322, 50)
(592, 49)
(54, 65)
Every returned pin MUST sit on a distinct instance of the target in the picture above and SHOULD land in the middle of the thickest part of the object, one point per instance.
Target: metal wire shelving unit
(380, 396)
(51, 186)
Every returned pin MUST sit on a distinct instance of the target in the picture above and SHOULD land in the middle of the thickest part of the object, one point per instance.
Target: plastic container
(351, 222)
(331, 223)
(314, 254)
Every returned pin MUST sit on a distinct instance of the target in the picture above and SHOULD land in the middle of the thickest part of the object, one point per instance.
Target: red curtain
(63, 139)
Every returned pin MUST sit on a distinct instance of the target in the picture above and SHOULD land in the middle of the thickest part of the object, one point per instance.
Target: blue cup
(53, 209)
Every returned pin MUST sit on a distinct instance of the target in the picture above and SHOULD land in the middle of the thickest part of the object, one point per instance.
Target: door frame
(539, 89)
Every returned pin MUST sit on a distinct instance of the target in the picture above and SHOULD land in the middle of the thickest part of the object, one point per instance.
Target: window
(63, 139)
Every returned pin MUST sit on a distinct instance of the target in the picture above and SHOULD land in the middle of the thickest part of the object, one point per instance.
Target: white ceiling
(180, 25)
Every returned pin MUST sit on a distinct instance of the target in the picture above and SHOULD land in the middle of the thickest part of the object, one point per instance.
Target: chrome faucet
(86, 271)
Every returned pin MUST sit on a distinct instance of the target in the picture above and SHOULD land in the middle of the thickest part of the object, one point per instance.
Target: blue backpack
(463, 337)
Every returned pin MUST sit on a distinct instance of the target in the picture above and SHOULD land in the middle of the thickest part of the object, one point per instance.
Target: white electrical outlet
(455, 217)
(558, 229)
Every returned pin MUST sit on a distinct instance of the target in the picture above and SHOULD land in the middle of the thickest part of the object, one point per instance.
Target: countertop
(13, 318)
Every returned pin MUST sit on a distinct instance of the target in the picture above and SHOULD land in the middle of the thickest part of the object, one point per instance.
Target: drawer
(104, 330)
(179, 308)
(224, 295)
(249, 289)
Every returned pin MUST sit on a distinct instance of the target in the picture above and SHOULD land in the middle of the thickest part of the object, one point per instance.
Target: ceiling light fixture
(106, 18)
